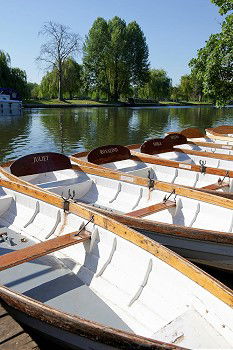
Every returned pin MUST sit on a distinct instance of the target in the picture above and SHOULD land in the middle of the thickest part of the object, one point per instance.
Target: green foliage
(158, 87)
(224, 5)
(71, 81)
(61, 45)
(115, 57)
(14, 78)
(214, 64)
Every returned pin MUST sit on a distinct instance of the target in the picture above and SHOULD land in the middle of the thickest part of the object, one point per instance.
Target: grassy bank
(57, 102)
(70, 103)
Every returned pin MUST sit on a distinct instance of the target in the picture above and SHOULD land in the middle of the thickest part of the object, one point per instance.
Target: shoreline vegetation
(54, 103)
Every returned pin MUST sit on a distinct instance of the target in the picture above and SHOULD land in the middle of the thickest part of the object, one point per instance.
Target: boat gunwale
(155, 226)
(121, 230)
(78, 325)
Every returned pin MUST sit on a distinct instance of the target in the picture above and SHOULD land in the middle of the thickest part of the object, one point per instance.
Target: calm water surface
(72, 130)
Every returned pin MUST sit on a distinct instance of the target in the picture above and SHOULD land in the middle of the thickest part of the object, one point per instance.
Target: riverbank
(91, 103)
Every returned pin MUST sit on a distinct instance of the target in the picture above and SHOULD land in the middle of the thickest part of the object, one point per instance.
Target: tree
(72, 77)
(138, 54)
(115, 57)
(11, 77)
(158, 86)
(61, 44)
(48, 85)
(214, 64)
(224, 5)
(71, 80)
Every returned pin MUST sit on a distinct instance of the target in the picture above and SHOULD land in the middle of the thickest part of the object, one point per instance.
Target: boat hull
(219, 256)
(57, 335)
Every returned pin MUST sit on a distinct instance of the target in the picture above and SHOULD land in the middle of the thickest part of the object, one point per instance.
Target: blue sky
(174, 29)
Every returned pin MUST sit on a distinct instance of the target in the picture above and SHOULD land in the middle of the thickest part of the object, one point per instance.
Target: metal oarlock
(203, 167)
(66, 203)
(151, 181)
(167, 197)
(220, 181)
(83, 226)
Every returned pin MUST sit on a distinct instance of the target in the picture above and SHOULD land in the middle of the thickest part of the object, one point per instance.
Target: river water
(77, 129)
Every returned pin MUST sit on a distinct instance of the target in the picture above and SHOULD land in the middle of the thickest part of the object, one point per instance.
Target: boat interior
(96, 280)
(128, 198)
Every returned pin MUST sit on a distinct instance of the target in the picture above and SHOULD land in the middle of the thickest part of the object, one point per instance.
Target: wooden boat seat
(205, 180)
(152, 209)
(215, 186)
(40, 249)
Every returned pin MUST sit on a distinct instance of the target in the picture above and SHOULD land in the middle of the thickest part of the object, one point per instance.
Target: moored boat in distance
(87, 281)
(9, 103)
(184, 219)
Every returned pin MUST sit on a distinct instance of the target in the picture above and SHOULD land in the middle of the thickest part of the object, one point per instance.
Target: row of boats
(97, 249)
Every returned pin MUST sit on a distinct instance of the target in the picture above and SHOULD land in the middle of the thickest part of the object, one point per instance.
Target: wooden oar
(40, 249)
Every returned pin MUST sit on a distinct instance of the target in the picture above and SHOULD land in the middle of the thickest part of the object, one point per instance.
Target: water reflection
(73, 130)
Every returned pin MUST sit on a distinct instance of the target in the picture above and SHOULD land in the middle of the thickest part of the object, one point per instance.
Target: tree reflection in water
(77, 129)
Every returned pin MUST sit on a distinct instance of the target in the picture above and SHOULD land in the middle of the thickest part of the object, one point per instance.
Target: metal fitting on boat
(203, 167)
(151, 181)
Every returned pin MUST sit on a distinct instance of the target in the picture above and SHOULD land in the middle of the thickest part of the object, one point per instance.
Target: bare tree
(61, 44)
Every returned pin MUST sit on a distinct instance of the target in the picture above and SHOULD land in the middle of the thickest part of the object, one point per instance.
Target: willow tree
(158, 86)
(115, 57)
(12, 77)
(71, 80)
(60, 44)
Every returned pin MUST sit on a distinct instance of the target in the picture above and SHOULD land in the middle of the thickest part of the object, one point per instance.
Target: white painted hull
(219, 256)
(10, 107)
(120, 198)
(109, 288)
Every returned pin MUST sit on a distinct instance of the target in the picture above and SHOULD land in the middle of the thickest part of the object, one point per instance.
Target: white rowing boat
(212, 137)
(89, 282)
(187, 222)
(221, 132)
(174, 147)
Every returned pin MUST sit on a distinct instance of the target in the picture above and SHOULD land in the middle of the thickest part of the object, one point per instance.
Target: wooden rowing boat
(221, 132)
(213, 136)
(163, 162)
(89, 282)
(187, 222)
(187, 153)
